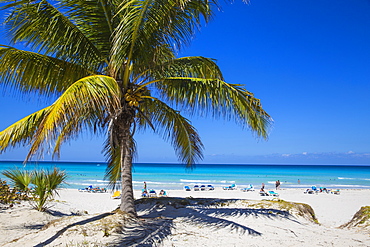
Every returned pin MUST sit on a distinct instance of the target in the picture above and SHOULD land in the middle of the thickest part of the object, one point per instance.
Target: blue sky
(309, 63)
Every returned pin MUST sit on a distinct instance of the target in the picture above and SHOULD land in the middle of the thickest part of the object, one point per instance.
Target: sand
(82, 219)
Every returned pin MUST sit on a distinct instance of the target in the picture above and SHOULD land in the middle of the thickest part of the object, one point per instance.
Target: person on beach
(145, 186)
(277, 184)
(262, 190)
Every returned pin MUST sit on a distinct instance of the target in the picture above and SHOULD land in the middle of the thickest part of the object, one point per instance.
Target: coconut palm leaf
(217, 97)
(197, 67)
(48, 31)
(21, 132)
(159, 22)
(171, 125)
(28, 71)
(94, 19)
(85, 104)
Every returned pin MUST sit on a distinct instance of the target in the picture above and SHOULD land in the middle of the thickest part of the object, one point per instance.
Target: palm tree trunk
(124, 123)
(127, 194)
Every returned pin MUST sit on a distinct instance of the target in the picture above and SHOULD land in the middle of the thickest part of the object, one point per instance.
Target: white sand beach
(248, 219)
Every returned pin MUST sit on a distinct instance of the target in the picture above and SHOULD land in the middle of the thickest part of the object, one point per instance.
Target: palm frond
(194, 67)
(94, 19)
(171, 125)
(28, 71)
(219, 98)
(85, 104)
(155, 26)
(20, 179)
(21, 132)
(47, 30)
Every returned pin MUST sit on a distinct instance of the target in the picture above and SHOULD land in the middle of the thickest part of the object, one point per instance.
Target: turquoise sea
(176, 176)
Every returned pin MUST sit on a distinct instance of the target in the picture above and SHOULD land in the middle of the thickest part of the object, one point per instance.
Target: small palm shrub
(21, 179)
(46, 185)
(42, 185)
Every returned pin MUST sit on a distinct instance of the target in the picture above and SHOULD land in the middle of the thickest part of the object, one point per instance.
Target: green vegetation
(360, 219)
(113, 68)
(40, 184)
(10, 196)
(301, 209)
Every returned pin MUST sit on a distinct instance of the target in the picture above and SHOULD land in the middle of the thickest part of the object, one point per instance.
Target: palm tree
(112, 66)
(44, 184)
(21, 179)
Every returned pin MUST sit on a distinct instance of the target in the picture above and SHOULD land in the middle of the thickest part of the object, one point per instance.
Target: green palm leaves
(46, 185)
(33, 72)
(21, 178)
(41, 184)
(85, 104)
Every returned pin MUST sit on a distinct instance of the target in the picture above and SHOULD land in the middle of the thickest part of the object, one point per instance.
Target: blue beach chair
(152, 193)
(231, 187)
(273, 193)
(249, 188)
(210, 187)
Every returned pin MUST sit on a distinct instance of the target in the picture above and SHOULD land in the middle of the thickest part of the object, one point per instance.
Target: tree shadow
(144, 232)
(158, 215)
(82, 222)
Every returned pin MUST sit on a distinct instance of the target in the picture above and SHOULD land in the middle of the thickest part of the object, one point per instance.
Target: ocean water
(176, 176)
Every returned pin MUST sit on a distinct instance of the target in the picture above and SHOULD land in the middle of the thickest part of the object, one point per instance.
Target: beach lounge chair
(99, 190)
(324, 189)
(210, 187)
(308, 191)
(249, 188)
(263, 193)
(84, 190)
(152, 193)
(336, 192)
(231, 187)
(202, 187)
(187, 188)
(273, 193)
(196, 187)
(116, 195)
(314, 189)
(163, 193)
(144, 193)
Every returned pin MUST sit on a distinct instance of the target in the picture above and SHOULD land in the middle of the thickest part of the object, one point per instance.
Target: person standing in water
(277, 184)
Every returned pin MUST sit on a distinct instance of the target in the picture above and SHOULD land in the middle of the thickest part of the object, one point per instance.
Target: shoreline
(175, 176)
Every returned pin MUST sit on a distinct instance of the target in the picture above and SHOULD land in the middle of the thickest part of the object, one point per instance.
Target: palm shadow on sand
(157, 216)
(64, 229)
